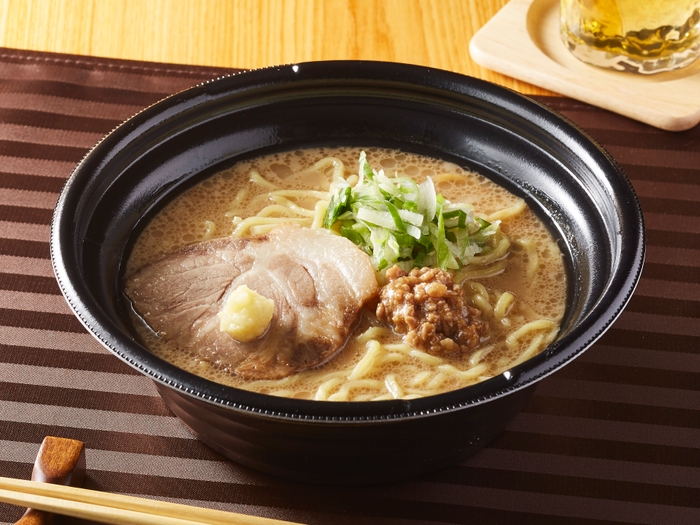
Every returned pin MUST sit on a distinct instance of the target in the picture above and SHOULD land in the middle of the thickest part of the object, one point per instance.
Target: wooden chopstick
(115, 508)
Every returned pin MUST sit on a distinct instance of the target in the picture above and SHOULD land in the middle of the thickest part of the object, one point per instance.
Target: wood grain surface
(257, 33)
(535, 53)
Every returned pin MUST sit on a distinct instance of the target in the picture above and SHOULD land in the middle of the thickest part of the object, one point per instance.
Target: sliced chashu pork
(318, 281)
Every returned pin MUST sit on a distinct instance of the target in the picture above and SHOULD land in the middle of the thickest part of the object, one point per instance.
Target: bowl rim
(448, 83)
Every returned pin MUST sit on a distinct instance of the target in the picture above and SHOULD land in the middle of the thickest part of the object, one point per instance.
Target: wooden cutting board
(523, 41)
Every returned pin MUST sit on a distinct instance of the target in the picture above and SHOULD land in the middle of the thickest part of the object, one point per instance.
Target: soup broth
(522, 295)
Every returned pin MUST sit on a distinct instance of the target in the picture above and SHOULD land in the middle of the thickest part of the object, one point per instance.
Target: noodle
(256, 178)
(292, 207)
(500, 250)
(258, 225)
(209, 229)
(367, 362)
(531, 256)
(393, 387)
(508, 213)
(505, 301)
(319, 214)
(483, 272)
(344, 393)
(241, 196)
(480, 354)
(278, 210)
(533, 326)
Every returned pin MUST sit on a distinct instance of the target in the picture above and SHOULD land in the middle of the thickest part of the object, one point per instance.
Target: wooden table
(256, 33)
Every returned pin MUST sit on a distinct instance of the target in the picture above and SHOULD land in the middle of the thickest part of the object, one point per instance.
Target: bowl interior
(569, 181)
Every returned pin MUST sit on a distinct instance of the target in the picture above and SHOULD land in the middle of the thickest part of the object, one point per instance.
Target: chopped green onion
(397, 221)
(339, 201)
(427, 199)
(376, 217)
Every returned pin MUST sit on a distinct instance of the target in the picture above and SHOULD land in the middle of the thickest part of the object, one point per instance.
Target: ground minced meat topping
(431, 311)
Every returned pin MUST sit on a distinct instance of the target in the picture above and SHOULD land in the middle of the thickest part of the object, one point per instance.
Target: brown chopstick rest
(60, 461)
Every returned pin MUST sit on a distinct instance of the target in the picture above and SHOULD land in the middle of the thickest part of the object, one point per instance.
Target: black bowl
(572, 183)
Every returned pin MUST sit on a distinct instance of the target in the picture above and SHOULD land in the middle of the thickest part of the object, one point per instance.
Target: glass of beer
(643, 36)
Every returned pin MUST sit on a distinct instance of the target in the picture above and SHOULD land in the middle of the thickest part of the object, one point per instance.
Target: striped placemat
(612, 438)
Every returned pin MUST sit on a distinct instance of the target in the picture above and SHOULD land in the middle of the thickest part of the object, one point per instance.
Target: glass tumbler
(643, 36)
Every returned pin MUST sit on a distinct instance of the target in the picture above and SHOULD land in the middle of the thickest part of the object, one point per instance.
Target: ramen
(514, 277)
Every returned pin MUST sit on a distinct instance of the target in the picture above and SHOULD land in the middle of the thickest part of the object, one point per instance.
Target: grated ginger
(246, 314)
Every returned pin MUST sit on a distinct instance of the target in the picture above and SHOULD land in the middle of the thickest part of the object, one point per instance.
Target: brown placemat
(612, 438)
